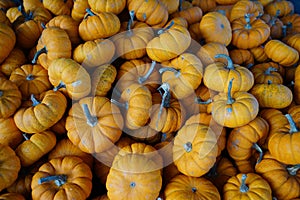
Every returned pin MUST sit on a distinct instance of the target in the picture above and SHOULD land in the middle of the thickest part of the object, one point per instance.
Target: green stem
(38, 53)
(270, 69)
(228, 59)
(90, 119)
(293, 127)
(188, 147)
(29, 77)
(198, 100)
(292, 170)
(284, 31)
(124, 105)
(89, 13)
(261, 154)
(230, 100)
(27, 16)
(165, 102)
(1, 93)
(164, 69)
(34, 101)
(59, 86)
(142, 79)
(244, 188)
(59, 180)
(180, 5)
(130, 22)
(167, 28)
(247, 19)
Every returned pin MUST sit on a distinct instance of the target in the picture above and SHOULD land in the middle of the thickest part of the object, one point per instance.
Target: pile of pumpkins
(149, 99)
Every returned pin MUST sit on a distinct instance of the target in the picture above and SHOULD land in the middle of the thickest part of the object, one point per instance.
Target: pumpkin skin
(10, 135)
(172, 6)
(285, 8)
(11, 196)
(296, 89)
(102, 79)
(185, 187)
(256, 188)
(194, 144)
(31, 79)
(77, 183)
(45, 110)
(243, 7)
(114, 6)
(241, 139)
(259, 54)
(294, 41)
(97, 136)
(282, 178)
(152, 12)
(218, 75)
(247, 33)
(34, 148)
(281, 53)
(186, 77)
(138, 167)
(98, 25)
(283, 142)
(67, 75)
(8, 41)
(58, 7)
(215, 27)
(15, 59)
(53, 43)
(10, 166)
(208, 51)
(234, 110)
(192, 14)
(10, 98)
(94, 53)
(272, 95)
(242, 57)
(292, 23)
(176, 36)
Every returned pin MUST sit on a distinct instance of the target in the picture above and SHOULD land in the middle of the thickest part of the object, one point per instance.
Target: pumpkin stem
(188, 147)
(261, 154)
(167, 28)
(90, 119)
(124, 105)
(247, 19)
(269, 82)
(229, 61)
(293, 127)
(38, 53)
(27, 16)
(273, 19)
(130, 22)
(198, 100)
(59, 86)
(284, 30)
(164, 69)
(292, 170)
(230, 100)
(29, 77)
(43, 25)
(165, 102)
(180, 5)
(132, 184)
(194, 189)
(1, 93)
(270, 69)
(34, 101)
(244, 188)
(142, 79)
(25, 136)
(59, 180)
(89, 12)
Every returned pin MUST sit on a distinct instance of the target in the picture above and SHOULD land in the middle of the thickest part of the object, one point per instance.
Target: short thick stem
(90, 119)
(59, 180)
(34, 101)
(228, 59)
(180, 5)
(261, 153)
(89, 13)
(29, 77)
(38, 53)
(188, 147)
(244, 188)
(247, 19)
(59, 86)
(26, 16)
(230, 100)
(165, 102)
(142, 79)
(270, 69)
(1, 93)
(194, 190)
(292, 170)
(293, 127)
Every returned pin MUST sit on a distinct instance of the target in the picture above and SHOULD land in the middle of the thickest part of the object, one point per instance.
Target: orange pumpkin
(15, 59)
(207, 53)
(114, 6)
(8, 41)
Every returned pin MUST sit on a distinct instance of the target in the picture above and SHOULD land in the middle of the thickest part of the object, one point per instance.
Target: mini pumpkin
(207, 53)
(8, 41)
(284, 7)
(114, 6)
(102, 79)
(79, 9)
(15, 59)
(10, 134)
(58, 7)
(242, 57)
(240, 8)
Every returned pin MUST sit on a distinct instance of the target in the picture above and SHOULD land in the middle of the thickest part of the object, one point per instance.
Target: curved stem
(29, 77)
(270, 69)
(59, 86)
(27, 16)
(261, 154)
(130, 22)
(292, 170)
(142, 79)
(124, 105)
(89, 12)
(198, 100)
(132, 184)
(188, 147)
(38, 53)
(228, 59)
(164, 69)
(90, 119)
(247, 19)
(34, 101)
(293, 127)
(59, 180)
(244, 188)
(167, 28)
(230, 100)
